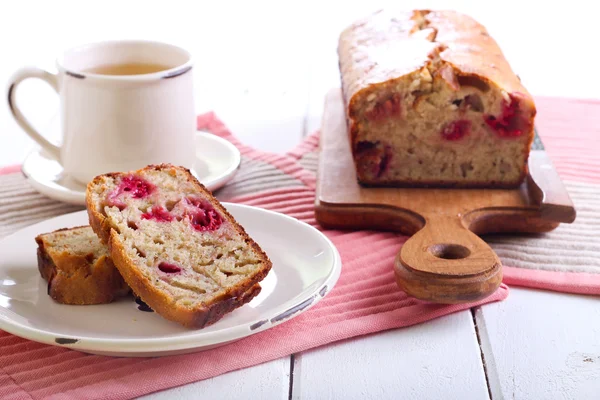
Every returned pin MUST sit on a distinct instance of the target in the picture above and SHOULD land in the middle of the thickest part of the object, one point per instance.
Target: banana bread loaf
(77, 267)
(175, 245)
(431, 101)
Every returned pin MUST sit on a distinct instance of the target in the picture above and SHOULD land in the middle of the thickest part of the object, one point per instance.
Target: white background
(265, 65)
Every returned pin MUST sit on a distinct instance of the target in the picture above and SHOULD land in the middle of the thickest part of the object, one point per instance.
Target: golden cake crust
(366, 50)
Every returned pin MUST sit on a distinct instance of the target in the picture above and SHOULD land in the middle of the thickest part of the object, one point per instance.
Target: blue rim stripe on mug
(74, 75)
(176, 73)
(170, 75)
(10, 99)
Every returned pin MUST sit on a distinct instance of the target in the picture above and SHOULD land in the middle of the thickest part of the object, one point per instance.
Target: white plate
(306, 266)
(217, 161)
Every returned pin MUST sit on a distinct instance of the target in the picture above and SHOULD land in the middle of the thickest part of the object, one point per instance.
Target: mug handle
(18, 77)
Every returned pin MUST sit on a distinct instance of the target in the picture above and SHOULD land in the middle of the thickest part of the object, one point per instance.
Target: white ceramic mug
(114, 123)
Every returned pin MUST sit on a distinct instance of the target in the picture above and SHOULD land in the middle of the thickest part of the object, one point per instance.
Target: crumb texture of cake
(177, 247)
(431, 100)
(78, 268)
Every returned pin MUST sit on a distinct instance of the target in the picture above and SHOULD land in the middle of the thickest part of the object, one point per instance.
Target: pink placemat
(364, 301)
(366, 298)
(567, 259)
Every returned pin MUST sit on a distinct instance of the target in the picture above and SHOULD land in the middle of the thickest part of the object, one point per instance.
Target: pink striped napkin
(565, 260)
(366, 299)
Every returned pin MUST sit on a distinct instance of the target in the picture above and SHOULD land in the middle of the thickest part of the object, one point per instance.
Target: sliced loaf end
(77, 267)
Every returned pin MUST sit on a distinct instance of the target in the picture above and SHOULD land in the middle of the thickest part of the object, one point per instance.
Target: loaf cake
(430, 100)
(77, 267)
(175, 245)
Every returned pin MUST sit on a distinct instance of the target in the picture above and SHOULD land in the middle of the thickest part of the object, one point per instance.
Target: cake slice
(177, 247)
(431, 100)
(77, 267)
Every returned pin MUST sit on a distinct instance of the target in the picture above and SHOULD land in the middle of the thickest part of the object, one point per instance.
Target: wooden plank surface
(439, 359)
(266, 381)
(542, 345)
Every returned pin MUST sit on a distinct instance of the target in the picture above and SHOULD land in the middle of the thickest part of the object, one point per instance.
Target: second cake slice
(176, 246)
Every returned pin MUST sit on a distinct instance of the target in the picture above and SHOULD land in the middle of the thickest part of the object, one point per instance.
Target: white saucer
(306, 266)
(216, 164)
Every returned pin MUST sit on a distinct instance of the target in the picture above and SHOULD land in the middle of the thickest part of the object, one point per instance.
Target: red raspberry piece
(374, 157)
(159, 214)
(135, 186)
(168, 268)
(511, 122)
(203, 217)
(456, 130)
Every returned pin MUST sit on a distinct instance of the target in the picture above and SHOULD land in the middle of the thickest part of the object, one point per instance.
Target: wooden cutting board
(444, 260)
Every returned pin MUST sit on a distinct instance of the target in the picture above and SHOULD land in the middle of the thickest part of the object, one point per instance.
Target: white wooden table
(264, 67)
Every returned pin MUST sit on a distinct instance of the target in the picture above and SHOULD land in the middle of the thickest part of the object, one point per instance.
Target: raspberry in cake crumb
(202, 215)
(384, 165)
(385, 109)
(363, 146)
(159, 214)
(168, 268)
(113, 201)
(133, 186)
(137, 187)
(511, 123)
(456, 130)
(373, 158)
